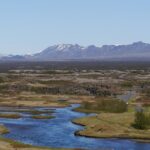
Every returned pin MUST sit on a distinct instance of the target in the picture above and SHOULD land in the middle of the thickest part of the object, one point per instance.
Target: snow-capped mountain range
(70, 51)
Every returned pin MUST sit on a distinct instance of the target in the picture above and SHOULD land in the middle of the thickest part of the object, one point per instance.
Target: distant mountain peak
(65, 47)
(139, 43)
(75, 51)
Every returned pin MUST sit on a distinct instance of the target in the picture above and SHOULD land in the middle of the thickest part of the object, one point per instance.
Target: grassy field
(111, 125)
(10, 116)
(112, 120)
(103, 104)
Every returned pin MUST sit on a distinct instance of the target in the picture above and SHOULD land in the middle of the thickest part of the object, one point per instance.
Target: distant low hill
(135, 51)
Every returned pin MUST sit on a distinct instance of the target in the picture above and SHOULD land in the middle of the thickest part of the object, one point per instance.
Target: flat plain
(112, 90)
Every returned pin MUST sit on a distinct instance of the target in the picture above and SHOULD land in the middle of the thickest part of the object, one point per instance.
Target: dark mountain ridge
(137, 50)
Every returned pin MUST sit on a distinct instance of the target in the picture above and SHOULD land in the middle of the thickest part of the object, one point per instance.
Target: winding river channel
(59, 132)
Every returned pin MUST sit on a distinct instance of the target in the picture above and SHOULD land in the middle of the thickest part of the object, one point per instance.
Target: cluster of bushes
(98, 89)
(146, 91)
(142, 120)
(98, 92)
(144, 84)
(57, 82)
(57, 87)
(127, 84)
(57, 72)
(110, 105)
(69, 87)
(2, 80)
(4, 88)
(45, 90)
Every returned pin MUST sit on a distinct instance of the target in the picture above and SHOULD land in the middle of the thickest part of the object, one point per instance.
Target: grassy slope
(110, 125)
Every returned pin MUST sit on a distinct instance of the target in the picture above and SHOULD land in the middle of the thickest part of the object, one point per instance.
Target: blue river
(59, 132)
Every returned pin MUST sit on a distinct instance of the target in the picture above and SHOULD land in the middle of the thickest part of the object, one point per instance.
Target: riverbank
(58, 132)
(111, 125)
(6, 144)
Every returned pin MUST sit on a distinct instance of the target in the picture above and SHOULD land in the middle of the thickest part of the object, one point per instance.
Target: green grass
(42, 117)
(3, 130)
(111, 125)
(18, 146)
(103, 105)
(10, 116)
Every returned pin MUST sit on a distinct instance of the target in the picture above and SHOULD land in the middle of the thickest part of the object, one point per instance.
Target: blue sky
(29, 26)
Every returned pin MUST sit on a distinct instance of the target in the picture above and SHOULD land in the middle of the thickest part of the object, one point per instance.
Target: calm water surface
(59, 132)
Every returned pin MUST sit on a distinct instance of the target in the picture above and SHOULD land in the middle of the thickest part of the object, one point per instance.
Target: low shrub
(142, 120)
(110, 105)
